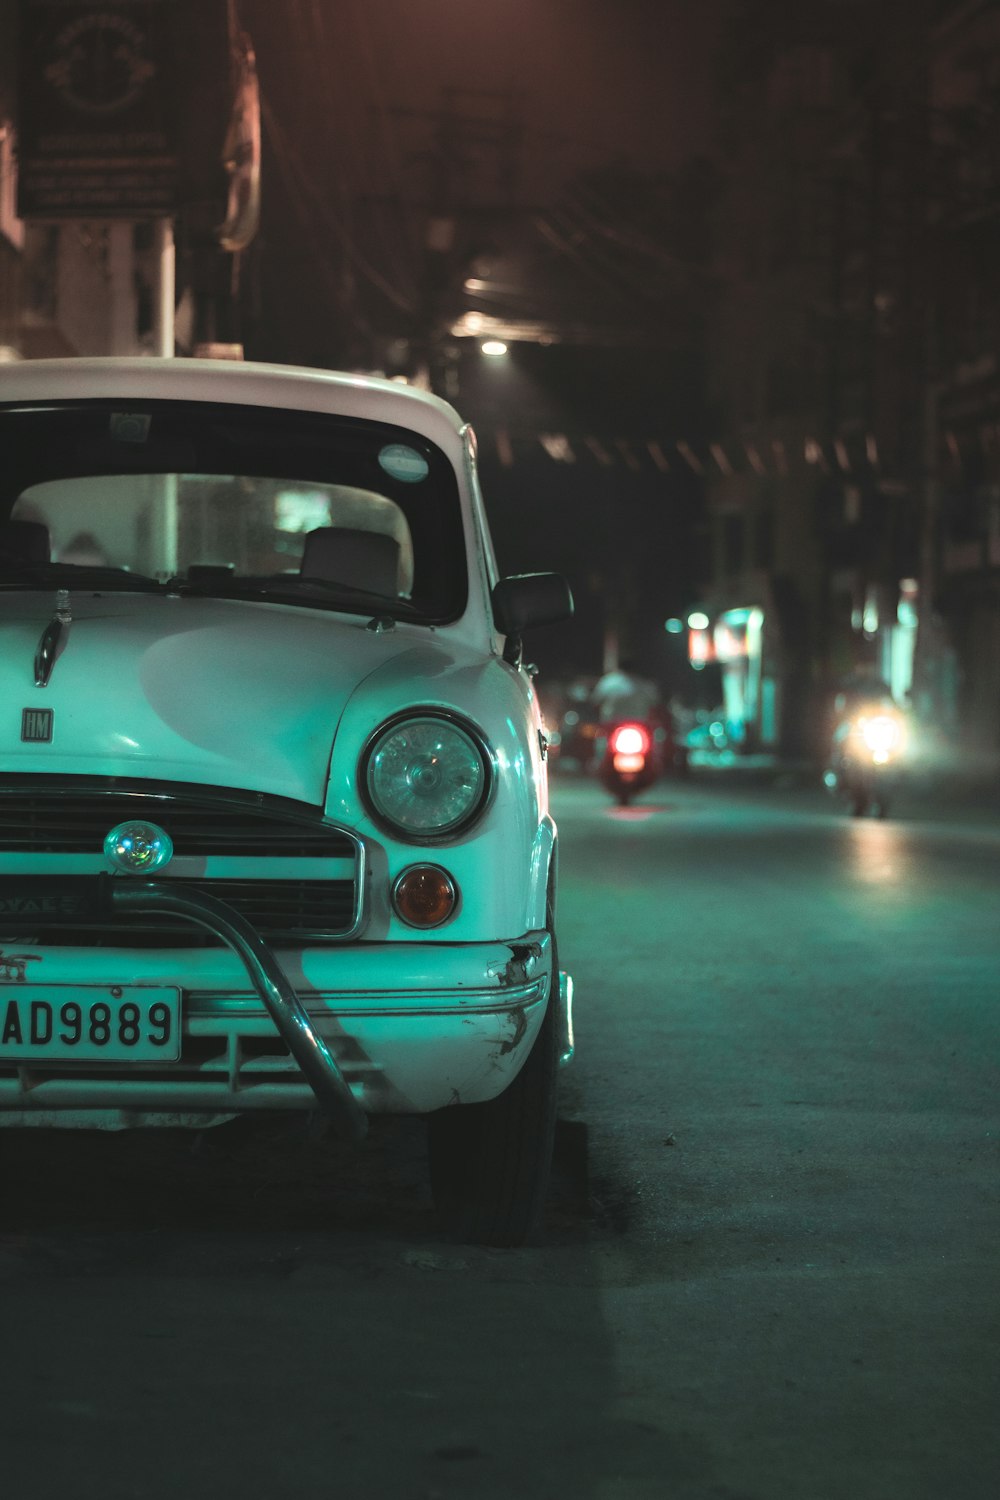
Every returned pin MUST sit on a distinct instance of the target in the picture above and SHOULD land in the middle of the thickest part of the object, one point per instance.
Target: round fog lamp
(424, 896)
(138, 848)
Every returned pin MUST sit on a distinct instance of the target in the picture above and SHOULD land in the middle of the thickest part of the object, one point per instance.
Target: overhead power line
(293, 170)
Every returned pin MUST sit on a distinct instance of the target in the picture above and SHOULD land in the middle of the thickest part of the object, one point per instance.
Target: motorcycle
(631, 761)
(866, 762)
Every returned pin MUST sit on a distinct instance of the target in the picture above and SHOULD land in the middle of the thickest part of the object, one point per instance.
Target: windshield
(301, 507)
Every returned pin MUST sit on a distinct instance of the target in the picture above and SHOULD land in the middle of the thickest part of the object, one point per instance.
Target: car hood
(218, 692)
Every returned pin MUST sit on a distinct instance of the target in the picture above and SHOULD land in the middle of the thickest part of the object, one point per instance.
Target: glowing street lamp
(493, 347)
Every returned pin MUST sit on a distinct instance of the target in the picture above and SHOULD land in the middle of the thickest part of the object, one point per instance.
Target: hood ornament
(48, 645)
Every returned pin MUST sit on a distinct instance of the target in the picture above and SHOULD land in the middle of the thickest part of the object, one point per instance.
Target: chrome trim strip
(210, 1098)
(209, 1014)
(565, 1039)
(18, 784)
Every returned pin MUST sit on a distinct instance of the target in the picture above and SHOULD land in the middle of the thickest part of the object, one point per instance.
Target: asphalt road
(771, 1264)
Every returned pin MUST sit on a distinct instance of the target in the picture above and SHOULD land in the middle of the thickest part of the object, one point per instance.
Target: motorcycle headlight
(882, 734)
(427, 776)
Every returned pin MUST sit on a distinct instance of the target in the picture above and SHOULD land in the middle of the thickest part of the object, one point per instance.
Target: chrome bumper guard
(54, 902)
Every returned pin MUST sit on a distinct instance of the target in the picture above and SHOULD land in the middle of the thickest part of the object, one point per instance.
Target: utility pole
(472, 169)
(163, 302)
(924, 288)
(926, 642)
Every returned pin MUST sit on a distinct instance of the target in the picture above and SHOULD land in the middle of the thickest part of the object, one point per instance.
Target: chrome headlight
(427, 775)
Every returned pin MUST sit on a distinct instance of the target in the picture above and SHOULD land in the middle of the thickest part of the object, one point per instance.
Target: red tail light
(630, 739)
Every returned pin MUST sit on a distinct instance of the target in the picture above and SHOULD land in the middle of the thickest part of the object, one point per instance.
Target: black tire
(490, 1163)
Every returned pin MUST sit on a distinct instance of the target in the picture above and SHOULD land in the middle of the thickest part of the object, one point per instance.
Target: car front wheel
(490, 1163)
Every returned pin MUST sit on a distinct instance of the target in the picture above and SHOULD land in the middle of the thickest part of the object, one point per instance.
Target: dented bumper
(411, 1027)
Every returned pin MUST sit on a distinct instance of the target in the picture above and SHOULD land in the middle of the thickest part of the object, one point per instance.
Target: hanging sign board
(95, 110)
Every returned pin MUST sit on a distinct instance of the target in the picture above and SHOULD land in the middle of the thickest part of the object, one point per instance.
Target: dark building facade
(853, 371)
(11, 231)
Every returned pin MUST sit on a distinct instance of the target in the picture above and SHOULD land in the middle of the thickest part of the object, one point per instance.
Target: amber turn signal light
(424, 896)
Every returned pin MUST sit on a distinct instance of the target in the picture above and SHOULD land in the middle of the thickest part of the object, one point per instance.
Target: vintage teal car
(274, 821)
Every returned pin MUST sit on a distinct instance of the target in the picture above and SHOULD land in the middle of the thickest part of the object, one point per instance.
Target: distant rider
(623, 694)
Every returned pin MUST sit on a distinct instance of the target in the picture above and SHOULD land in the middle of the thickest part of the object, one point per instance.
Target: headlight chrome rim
(455, 828)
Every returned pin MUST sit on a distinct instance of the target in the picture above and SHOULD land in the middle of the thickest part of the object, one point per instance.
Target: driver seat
(25, 541)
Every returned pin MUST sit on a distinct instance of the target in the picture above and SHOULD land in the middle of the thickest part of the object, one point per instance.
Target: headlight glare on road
(427, 776)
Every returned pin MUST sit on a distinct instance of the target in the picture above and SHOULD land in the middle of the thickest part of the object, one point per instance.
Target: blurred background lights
(493, 347)
(674, 626)
(698, 621)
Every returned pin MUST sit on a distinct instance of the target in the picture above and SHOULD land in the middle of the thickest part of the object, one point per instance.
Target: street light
(493, 347)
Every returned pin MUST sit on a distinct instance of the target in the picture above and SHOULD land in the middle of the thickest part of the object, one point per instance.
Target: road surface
(770, 1269)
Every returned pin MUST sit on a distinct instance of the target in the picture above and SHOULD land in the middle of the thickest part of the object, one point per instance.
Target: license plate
(73, 1023)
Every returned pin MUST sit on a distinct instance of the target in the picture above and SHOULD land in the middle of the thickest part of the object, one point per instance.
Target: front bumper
(410, 1027)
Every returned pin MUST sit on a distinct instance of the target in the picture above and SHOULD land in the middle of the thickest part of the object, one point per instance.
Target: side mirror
(530, 599)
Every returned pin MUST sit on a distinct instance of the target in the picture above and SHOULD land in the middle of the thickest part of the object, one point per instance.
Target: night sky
(350, 90)
(599, 77)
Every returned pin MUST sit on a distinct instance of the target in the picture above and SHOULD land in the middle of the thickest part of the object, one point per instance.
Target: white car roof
(296, 388)
(290, 387)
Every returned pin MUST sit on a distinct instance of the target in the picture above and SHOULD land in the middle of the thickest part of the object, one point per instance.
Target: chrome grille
(57, 820)
(55, 815)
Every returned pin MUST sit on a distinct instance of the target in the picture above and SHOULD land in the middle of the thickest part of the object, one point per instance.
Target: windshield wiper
(291, 588)
(74, 575)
